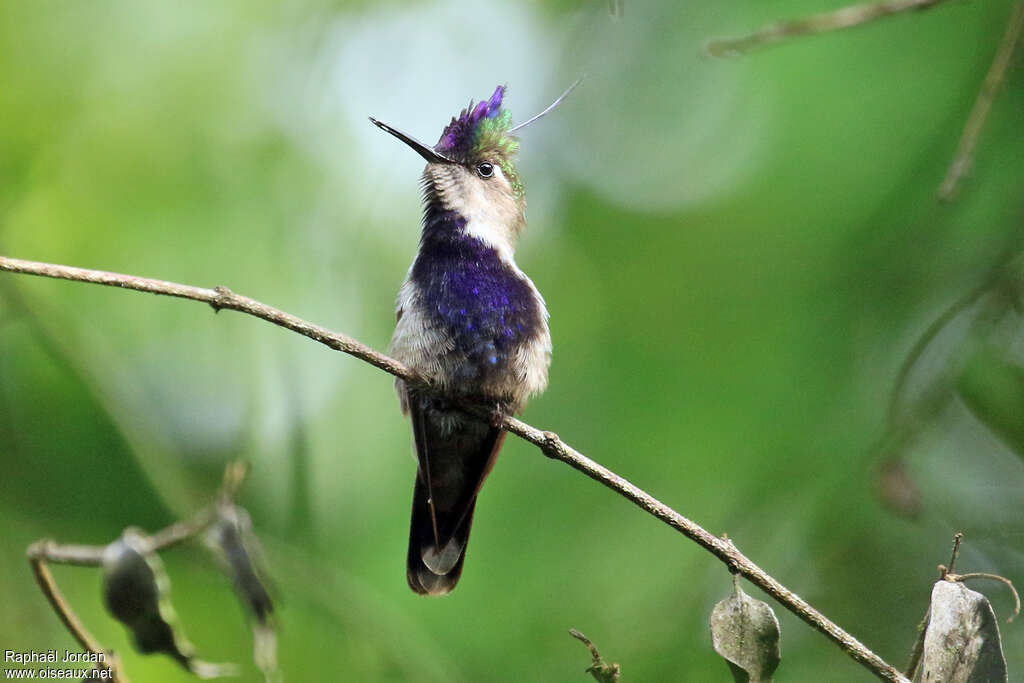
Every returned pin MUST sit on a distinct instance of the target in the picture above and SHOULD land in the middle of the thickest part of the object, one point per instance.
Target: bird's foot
(499, 413)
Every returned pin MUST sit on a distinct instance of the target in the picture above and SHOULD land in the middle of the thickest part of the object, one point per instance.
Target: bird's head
(471, 169)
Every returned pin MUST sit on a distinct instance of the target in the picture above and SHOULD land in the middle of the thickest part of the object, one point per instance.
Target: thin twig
(169, 536)
(983, 104)
(76, 555)
(599, 669)
(845, 17)
(548, 442)
(948, 574)
(37, 558)
(994, 577)
(234, 476)
(958, 538)
(45, 551)
(181, 531)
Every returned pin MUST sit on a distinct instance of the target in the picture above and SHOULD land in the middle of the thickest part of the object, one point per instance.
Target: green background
(737, 255)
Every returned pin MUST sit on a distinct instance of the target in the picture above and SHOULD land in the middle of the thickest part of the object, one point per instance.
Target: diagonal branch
(842, 18)
(855, 15)
(983, 104)
(548, 442)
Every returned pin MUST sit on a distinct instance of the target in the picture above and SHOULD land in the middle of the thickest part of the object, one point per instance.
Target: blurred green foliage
(737, 255)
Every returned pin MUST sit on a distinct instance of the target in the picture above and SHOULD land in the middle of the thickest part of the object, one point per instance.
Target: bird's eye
(485, 169)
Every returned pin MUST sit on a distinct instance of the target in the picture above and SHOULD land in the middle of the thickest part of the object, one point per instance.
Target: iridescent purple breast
(487, 307)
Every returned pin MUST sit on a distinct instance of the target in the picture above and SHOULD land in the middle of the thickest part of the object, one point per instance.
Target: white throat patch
(492, 222)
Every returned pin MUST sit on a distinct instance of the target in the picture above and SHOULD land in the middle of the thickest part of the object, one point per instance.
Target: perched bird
(471, 323)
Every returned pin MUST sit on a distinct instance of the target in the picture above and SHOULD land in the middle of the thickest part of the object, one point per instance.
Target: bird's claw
(498, 415)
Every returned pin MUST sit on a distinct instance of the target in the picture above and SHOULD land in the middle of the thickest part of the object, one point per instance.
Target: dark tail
(422, 578)
(455, 455)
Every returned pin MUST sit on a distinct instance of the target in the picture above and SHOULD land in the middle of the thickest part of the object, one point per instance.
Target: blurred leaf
(930, 371)
(745, 633)
(962, 643)
(993, 389)
(136, 591)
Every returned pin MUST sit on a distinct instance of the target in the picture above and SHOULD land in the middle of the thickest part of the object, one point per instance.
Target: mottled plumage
(471, 322)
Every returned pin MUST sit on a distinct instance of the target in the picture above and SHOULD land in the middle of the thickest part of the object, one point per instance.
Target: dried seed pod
(236, 546)
(961, 643)
(136, 591)
(745, 632)
(232, 538)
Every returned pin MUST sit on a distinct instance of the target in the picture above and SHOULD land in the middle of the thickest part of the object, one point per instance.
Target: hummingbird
(471, 323)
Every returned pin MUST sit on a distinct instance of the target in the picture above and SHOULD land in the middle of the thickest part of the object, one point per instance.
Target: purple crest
(459, 136)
